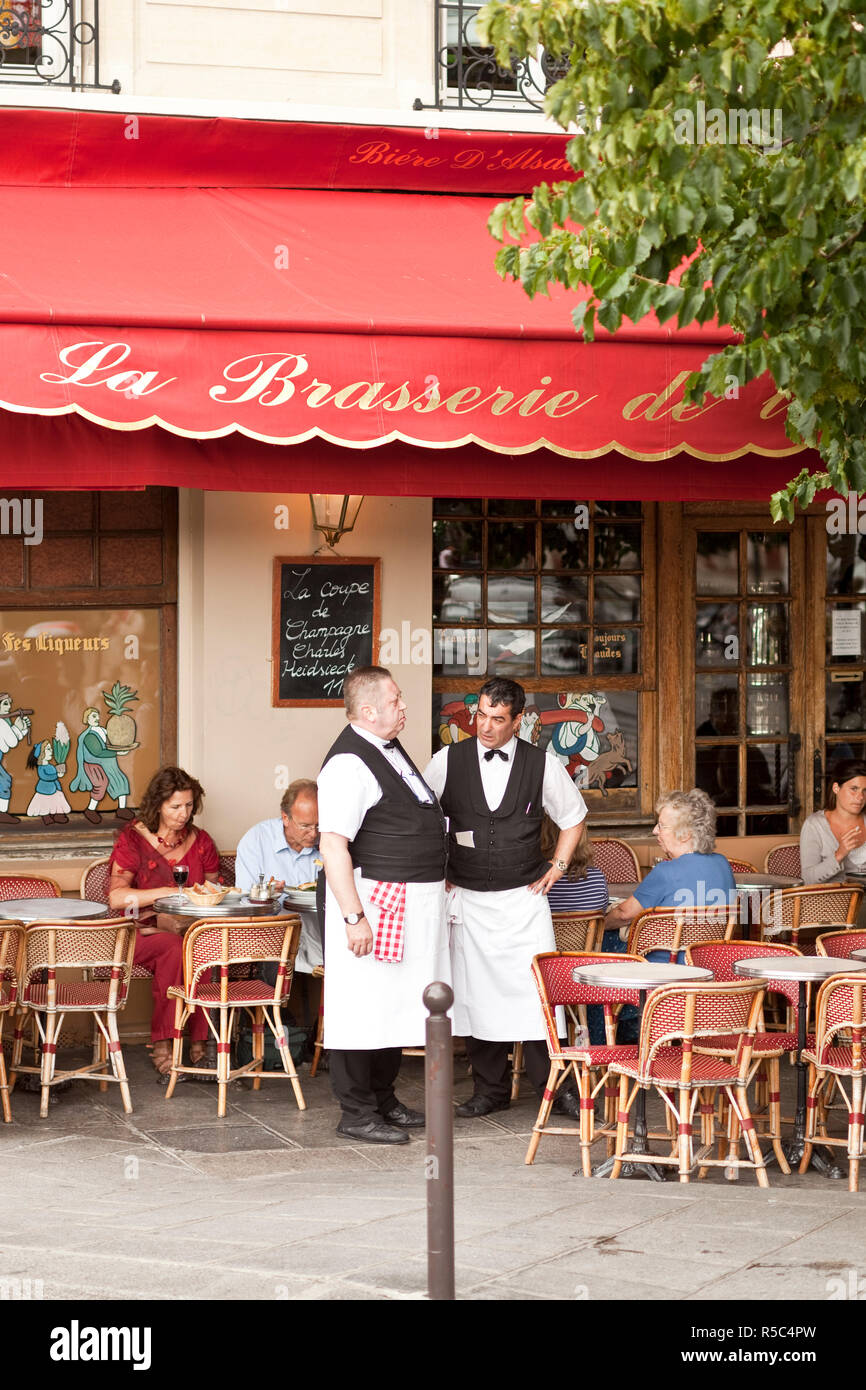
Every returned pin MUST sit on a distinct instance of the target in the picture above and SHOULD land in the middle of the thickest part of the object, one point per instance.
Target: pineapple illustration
(120, 726)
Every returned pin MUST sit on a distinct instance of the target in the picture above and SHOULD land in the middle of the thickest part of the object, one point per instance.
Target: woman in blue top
(694, 876)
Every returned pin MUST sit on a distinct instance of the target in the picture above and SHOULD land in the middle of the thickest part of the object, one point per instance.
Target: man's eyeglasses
(301, 825)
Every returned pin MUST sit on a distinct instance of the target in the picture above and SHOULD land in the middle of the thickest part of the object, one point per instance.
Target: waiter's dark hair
(162, 787)
(841, 772)
(359, 685)
(501, 691)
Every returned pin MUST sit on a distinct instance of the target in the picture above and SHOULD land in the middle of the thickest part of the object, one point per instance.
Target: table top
(635, 974)
(794, 967)
(751, 880)
(67, 909)
(237, 907)
(857, 955)
(622, 890)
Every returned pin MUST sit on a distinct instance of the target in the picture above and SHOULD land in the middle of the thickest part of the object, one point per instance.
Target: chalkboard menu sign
(326, 622)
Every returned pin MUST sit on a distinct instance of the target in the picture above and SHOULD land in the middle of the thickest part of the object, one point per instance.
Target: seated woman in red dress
(144, 855)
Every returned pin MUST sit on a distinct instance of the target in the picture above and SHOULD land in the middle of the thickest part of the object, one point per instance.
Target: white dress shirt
(348, 789)
(560, 797)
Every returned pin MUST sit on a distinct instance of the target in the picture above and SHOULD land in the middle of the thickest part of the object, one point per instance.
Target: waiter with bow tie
(494, 789)
(382, 840)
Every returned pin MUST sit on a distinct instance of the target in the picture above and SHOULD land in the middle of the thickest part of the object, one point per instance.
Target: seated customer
(833, 841)
(582, 888)
(287, 850)
(144, 855)
(694, 876)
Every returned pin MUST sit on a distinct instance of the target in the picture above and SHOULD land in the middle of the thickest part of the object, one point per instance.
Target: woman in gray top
(833, 842)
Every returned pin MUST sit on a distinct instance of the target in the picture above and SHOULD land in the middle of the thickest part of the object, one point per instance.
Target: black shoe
(373, 1132)
(480, 1105)
(567, 1103)
(404, 1118)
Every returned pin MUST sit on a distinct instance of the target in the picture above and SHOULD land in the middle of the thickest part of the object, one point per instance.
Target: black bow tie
(495, 753)
(392, 743)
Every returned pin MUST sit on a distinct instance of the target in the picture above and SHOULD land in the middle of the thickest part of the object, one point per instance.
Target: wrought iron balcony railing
(54, 42)
(467, 74)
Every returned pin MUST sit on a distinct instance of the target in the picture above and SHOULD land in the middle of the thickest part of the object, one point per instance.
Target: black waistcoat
(506, 851)
(401, 840)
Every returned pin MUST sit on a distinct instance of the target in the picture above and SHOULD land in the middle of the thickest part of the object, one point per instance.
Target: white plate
(300, 899)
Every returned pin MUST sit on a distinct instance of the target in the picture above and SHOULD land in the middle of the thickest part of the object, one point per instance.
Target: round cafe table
(177, 906)
(750, 891)
(51, 909)
(642, 976)
(803, 969)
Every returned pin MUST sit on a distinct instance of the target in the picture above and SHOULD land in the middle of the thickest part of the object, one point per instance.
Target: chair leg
(47, 1063)
(747, 1125)
(516, 1069)
(19, 1021)
(117, 1063)
(258, 1046)
(4, 1081)
(855, 1133)
(775, 1114)
(176, 1048)
(684, 1135)
(544, 1113)
(223, 1064)
(621, 1127)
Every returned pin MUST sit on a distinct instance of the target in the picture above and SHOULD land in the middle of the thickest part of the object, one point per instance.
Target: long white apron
(493, 939)
(371, 1003)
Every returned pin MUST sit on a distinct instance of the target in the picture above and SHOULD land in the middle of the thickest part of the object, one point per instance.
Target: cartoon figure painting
(458, 720)
(13, 728)
(48, 800)
(576, 740)
(97, 770)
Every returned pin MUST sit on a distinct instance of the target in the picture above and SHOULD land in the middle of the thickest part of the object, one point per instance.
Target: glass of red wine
(180, 874)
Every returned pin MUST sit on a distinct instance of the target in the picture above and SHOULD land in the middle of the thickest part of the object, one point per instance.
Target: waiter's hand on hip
(359, 938)
(544, 885)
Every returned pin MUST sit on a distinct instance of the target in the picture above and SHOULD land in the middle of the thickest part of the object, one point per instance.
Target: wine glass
(180, 874)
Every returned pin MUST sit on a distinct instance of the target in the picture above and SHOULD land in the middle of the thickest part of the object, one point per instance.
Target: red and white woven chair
(741, 866)
(784, 860)
(226, 870)
(840, 943)
(27, 886)
(768, 1047)
(11, 951)
(49, 946)
(219, 943)
(617, 860)
(837, 1053)
(674, 929)
(801, 912)
(552, 972)
(675, 1018)
(93, 888)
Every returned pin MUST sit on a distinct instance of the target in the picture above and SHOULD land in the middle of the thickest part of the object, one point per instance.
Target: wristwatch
(353, 919)
(560, 864)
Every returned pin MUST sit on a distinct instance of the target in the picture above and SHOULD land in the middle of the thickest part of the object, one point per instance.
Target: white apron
(493, 939)
(371, 1003)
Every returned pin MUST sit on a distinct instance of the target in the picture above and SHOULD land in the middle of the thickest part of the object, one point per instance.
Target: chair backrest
(617, 861)
(226, 871)
(50, 946)
(226, 942)
(795, 910)
(840, 943)
(784, 860)
(27, 886)
(672, 929)
(680, 1014)
(577, 931)
(839, 1009)
(11, 948)
(741, 866)
(553, 974)
(720, 957)
(95, 880)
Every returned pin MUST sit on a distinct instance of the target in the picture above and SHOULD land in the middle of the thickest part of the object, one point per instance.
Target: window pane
(717, 625)
(510, 653)
(457, 506)
(456, 597)
(767, 564)
(767, 634)
(616, 600)
(618, 508)
(847, 639)
(510, 506)
(717, 706)
(846, 564)
(510, 599)
(456, 545)
(511, 547)
(767, 705)
(766, 773)
(836, 752)
(459, 651)
(727, 825)
(717, 773)
(564, 506)
(615, 652)
(563, 652)
(617, 547)
(717, 563)
(767, 825)
(564, 599)
(846, 705)
(563, 547)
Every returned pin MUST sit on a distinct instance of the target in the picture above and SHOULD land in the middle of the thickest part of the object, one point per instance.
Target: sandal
(160, 1055)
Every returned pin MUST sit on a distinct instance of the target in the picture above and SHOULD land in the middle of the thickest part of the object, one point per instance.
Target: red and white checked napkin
(390, 898)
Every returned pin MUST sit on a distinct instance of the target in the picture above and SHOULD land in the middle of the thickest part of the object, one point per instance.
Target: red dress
(162, 953)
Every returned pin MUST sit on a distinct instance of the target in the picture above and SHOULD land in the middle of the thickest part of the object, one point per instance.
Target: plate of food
(304, 895)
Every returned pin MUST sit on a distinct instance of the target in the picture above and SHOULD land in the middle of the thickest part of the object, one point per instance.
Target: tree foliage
(773, 218)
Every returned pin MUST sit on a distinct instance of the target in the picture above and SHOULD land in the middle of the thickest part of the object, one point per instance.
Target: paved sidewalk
(171, 1203)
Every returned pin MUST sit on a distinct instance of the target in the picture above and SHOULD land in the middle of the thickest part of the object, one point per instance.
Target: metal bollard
(439, 1162)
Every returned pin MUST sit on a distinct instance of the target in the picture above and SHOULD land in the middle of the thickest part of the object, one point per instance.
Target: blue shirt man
(287, 850)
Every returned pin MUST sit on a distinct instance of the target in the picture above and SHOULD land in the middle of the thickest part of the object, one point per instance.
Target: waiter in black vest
(494, 790)
(382, 840)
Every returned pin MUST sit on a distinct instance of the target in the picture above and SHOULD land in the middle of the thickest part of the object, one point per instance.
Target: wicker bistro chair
(837, 1052)
(804, 910)
(27, 886)
(741, 866)
(226, 943)
(226, 871)
(572, 931)
(617, 861)
(840, 943)
(674, 929)
(675, 1018)
(49, 946)
(784, 860)
(93, 888)
(11, 953)
(553, 974)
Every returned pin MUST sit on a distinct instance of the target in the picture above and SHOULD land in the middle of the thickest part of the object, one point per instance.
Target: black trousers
(491, 1069)
(363, 1082)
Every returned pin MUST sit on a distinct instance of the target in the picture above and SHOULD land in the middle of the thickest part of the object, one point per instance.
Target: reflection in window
(510, 653)
(563, 547)
(565, 599)
(767, 564)
(718, 562)
(564, 652)
(717, 634)
(717, 710)
(456, 545)
(456, 597)
(846, 564)
(510, 600)
(767, 634)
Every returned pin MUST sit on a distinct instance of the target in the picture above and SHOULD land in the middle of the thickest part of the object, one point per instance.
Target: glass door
(840, 573)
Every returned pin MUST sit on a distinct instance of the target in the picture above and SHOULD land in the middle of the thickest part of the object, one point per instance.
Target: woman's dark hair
(581, 859)
(840, 773)
(162, 787)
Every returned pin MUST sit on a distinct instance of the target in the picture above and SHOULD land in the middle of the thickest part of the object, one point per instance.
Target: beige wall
(228, 734)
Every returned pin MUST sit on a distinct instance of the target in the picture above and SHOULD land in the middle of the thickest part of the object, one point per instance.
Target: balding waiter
(382, 840)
